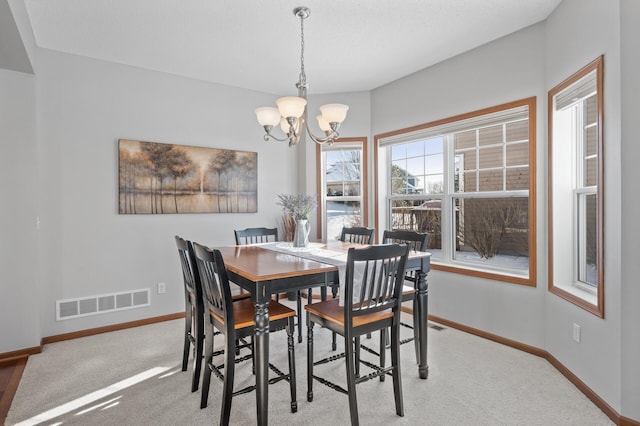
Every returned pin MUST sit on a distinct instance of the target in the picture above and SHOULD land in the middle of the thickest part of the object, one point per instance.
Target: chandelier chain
(302, 79)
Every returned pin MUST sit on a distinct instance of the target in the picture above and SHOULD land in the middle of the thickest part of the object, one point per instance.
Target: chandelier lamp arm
(291, 112)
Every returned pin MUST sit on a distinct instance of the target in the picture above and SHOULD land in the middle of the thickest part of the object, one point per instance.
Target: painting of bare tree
(159, 178)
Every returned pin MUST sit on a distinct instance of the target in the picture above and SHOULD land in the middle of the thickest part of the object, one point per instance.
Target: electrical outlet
(162, 288)
(576, 332)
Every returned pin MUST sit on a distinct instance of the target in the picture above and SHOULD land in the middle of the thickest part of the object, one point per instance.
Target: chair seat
(244, 312)
(332, 311)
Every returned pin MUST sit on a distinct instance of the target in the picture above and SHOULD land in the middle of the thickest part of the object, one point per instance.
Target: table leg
(261, 353)
(422, 299)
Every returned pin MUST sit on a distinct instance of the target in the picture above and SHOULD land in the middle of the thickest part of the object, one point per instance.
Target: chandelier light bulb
(334, 113)
(291, 106)
(324, 124)
(268, 116)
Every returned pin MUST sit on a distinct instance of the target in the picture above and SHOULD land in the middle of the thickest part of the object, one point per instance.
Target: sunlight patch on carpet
(92, 397)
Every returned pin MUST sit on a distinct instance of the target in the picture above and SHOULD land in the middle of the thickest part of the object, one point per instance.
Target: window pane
(591, 141)
(491, 180)
(588, 268)
(434, 184)
(517, 131)
(469, 182)
(435, 164)
(490, 135)
(434, 145)
(493, 231)
(415, 149)
(591, 171)
(591, 109)
(415, 166)
(339, 214)
(491, 157)
(517, 154)
(517, 178)
(464, 140)
(420, 216)
(467, 159)
(398, 151)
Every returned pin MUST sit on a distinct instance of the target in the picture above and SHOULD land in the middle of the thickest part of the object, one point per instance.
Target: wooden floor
(10, 374)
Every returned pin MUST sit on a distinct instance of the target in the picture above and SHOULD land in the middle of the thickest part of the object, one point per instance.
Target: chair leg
(395, 362)
(188, 319)
(199, 326)
(299, 301)
(292, 364)
(334, 294)
(208, 361)
(351, 380)
(357, 356)
(416, 335)
(229, 373)
(383, 341)
(309, 359)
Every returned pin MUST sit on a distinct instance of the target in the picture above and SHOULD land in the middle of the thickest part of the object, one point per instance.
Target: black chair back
(417, 241)
(357, 235)
(255, 235)
(374, 279)
(215, 283)
(194, 309)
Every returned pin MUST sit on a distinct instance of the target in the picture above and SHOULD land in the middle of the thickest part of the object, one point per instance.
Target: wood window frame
(364, 178)
(531, 280)
(597, 308)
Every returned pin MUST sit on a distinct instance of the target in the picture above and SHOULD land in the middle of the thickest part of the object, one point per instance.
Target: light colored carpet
(133, 377)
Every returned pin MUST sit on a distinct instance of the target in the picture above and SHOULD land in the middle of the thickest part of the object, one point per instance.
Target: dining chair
(357, 235)
(255, 235)
(374, 279)
(266, 235)
(194, 310)
(417, 241)
(235, 320)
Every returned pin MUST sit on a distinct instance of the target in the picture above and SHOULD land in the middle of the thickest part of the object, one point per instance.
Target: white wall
(87, 248)
(506, 70)
(630, 153)
(18, 211)
(577, 32)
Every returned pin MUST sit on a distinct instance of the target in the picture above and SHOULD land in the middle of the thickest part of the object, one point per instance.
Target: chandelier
(291, 112)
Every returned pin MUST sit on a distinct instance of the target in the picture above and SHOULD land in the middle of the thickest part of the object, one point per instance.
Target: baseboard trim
(12, 386)
(625, 421)
(22, 353)
(109, 328)
(595, 398)
(493, 337)
(582, 387)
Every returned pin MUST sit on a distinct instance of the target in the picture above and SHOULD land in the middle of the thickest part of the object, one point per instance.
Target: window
(342, 185)
(468, 181)
(575, 189)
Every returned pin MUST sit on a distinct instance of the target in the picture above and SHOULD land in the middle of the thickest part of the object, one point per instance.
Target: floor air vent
(93, 305)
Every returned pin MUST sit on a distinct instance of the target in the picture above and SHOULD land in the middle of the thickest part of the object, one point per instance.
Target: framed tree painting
(160, 178)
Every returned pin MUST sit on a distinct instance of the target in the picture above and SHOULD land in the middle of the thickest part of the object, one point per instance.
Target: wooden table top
(260, 264)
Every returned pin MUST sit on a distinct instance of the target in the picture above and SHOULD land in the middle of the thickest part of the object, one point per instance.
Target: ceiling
(350, 45)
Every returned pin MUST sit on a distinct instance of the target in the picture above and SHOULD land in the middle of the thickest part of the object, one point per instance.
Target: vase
(301, 234)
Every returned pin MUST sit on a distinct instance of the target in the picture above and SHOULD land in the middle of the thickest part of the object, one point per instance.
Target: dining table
(269, 269)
